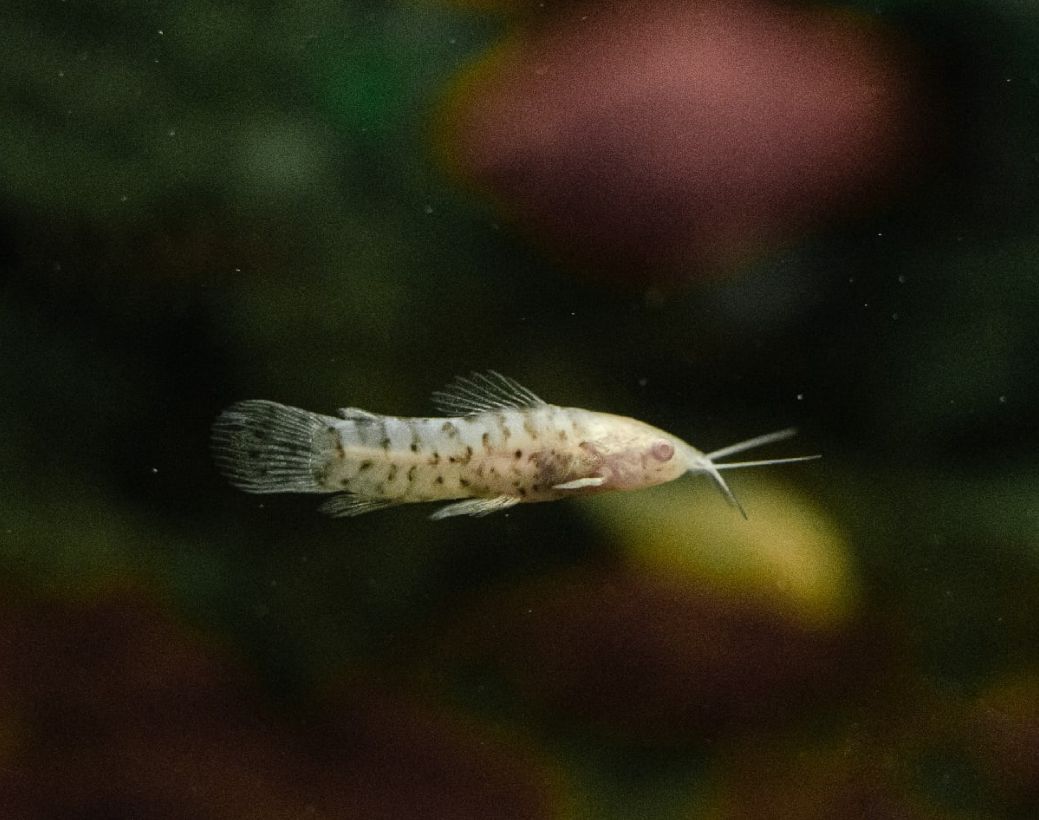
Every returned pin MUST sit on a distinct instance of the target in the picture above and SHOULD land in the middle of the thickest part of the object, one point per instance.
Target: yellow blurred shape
(788, 555)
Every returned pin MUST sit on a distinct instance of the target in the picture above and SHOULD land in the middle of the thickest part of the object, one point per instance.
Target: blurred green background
(202, 202)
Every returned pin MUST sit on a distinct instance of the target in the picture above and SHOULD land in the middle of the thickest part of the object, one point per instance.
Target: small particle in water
(901, 279)
(428, 209)
(171, 133)
(894, 316)
(155, 470)
(800, 396)
(643, 381)
(1002, 399)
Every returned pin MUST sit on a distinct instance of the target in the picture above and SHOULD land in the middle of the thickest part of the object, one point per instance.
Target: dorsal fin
(480, 392)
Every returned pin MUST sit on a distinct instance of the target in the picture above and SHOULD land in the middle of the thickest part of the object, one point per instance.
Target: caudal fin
(266, 447)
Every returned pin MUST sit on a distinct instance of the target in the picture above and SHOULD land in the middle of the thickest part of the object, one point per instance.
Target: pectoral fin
(579, 483)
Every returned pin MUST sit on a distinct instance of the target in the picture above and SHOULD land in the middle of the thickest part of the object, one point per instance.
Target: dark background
(202, 202)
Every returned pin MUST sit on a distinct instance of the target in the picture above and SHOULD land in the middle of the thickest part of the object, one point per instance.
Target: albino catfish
(500, 445)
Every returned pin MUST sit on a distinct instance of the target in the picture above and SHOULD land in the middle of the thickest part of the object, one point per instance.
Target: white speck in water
(237, 270)
(800, 396)
(894, 316)
(155, 470)
(643, 381)
(901, 279)
(428, 209)
(61, 73)
(161, 32)
(1002, 399)
(123, 198)
(171, 133)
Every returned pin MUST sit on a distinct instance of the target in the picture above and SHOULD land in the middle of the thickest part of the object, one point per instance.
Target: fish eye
(662, 450)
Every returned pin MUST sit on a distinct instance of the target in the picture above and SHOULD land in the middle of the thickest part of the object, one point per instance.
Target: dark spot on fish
(435, 458)
(531, 430)
(535, 487)
(522, 491)
(411, 472)
(331, 429)
(486, 439)
(414, 446)
(562, 435)
(393, 473)
(506, 432)
(450, 429)
(439, 480)
(365, 465)
(468, 455)
(464, 482)
(518, 454)
(385, 443)
(345, 482)
(517, 484)
(452, 459)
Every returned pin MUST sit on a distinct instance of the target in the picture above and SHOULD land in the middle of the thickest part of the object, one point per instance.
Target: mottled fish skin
(506, 447)
(521, 453)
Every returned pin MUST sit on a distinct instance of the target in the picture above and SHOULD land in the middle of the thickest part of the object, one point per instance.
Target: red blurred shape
(675, 138)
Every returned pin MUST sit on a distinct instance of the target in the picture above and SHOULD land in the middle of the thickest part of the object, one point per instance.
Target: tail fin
(265, 447)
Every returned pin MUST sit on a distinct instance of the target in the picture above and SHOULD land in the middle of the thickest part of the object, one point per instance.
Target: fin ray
(348, 505)
(481, 392)
(476, 507)
(265, 447)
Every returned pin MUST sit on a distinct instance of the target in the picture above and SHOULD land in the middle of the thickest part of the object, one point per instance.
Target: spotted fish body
(501, 445)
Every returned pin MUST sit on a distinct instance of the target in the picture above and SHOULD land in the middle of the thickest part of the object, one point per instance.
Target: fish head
(631, 454)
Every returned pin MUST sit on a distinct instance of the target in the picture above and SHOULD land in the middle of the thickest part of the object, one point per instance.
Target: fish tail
(266, 447)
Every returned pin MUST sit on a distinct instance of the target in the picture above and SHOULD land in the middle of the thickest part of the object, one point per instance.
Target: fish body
(499, 445)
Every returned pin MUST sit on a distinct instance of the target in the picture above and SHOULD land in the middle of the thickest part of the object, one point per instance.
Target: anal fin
(345, 505)
(476, 506)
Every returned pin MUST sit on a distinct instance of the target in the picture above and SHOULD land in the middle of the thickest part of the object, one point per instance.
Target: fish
(497, 445)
